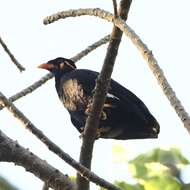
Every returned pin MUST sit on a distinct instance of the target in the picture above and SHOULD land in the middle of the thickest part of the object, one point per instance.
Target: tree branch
(90, 48)
(115, 8)
(101, 89)
(45, 186)
(11, 151)
(19, 66)
(53, 147)
(48, 76)
(29, 89)
(79, 12)
(146, 53)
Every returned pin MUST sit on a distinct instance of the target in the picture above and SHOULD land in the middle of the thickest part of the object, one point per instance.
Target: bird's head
(59, 66)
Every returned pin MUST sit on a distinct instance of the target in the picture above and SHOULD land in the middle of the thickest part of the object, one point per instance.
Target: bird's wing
(77, 124)
(86, 78)
(129, 100)
(117, 93)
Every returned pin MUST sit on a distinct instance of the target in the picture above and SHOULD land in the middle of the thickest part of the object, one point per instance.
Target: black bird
(124, 115)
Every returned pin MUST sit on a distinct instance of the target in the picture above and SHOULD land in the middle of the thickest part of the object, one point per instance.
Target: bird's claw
(99, 132)
(81, 135)
(88, 111)
(81, 132)
(103, 115)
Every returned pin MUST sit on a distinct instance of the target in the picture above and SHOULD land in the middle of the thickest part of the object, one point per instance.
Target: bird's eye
(62, 65)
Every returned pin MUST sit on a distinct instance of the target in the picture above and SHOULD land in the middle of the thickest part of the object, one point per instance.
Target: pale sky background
(162, 25)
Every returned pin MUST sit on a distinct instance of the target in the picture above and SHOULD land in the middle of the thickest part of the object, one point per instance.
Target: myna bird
(124, 115)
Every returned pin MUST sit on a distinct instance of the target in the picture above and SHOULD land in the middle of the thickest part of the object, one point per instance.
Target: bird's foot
(81, 133)
(103, 115)
(88, 109)
(101, 131)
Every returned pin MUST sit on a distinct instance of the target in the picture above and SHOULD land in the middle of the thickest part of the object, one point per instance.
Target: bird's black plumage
(124, 115)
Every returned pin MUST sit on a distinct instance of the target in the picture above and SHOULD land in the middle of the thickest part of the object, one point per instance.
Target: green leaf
(172, 159)
(172, 156)
(138, 170)
(186, 186)
(126, 186)
(161, 183)
(6, 185)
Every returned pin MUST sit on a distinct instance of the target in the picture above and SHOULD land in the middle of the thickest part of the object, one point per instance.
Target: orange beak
(46, 66)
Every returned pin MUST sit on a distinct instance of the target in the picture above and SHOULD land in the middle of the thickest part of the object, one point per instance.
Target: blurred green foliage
(6, 185)
(157, 170)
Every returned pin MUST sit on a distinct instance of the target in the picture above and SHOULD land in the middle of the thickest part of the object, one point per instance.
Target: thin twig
(29, 89)
(48, 76)
(14, 60)
(101, 89)
(11, 151)
(90, 48)
(53, 147)
(146, 53)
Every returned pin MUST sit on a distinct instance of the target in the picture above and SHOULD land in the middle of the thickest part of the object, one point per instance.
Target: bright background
(162, 25)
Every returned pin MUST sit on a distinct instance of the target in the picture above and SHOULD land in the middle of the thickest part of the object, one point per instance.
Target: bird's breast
(73, 96)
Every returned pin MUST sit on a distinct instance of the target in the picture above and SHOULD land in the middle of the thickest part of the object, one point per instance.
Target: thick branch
(101, 89)
(115, 8)
(53, 147)
(11, 151)
(79, 12)
(146, 53)
(19, 66)
(44, 79)
(45, 186)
